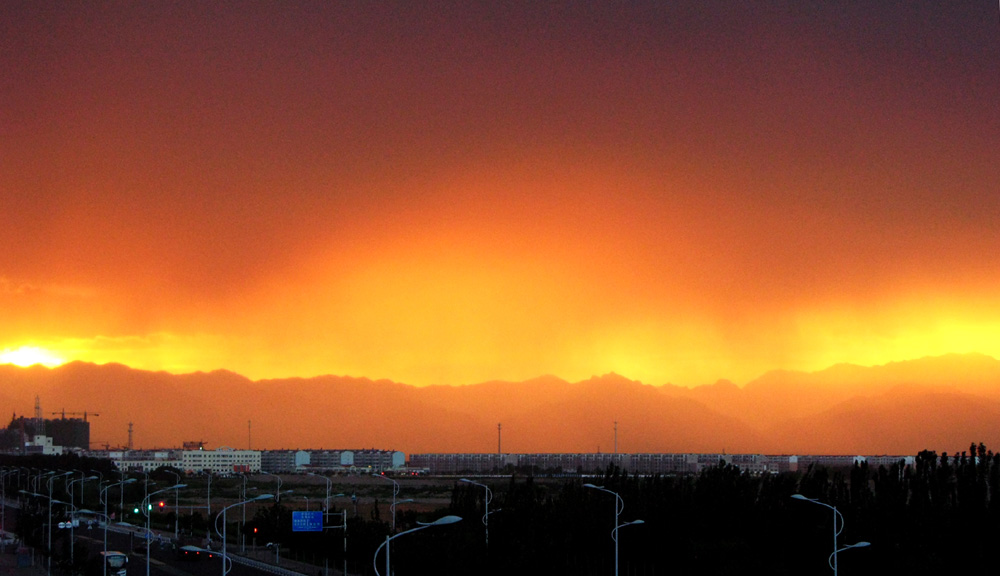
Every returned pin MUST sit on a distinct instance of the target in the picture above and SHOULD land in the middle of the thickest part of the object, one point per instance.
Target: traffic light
(249, 528)
(162, 505)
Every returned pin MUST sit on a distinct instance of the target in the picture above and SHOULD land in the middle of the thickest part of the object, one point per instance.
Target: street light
(243, 509)
(222, 514)
(619, 506)
(145, 487)
(486, 508)
(395, 490)
(121, 497)
(34, 480)
(277, 491)
(208, 512)
(81, 480)
(145, 511)
(832, 560)
(343, 515)
(72, 532)
(100, 484)
(177, 501)
(326, 502)
(3, 499)
(326, 512)
(51, 478)
(50, 501)
(72, 503)
(34, 505)
(103, 497)
(439, 522)
(99, 474)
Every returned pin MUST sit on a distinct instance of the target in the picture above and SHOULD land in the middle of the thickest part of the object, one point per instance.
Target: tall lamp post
(81, 480)
(326, 501)
(832, 560)
(439, 522)
(37, 495)
(619, 506)
(72, 503)
(326, 513)
(100, 475)
(243, 509)
(100, 484)
(34, 479)
(145, 486)
(121, 499)
(51, 478)
(104, 498)
(72, 531)
(145, 510)
(395, 491)
(177, 500)
(343, 515)
(486, 508)
(3, 500)
(37, 480)
(277, 491)
(222, 514)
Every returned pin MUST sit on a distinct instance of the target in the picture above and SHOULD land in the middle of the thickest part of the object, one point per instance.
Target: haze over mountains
(940, 403)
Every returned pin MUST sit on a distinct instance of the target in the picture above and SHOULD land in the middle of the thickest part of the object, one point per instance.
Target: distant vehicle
(7, 539)
(115, 561)
(193, 553)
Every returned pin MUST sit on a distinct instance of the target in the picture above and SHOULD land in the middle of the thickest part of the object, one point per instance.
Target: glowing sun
(29, 356)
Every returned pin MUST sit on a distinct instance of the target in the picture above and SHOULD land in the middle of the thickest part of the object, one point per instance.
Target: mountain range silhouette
(941, 403)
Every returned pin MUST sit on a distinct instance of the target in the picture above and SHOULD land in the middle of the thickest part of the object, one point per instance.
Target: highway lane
(164, 559)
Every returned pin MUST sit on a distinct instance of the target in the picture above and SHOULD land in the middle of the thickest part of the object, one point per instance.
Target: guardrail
(264, 566)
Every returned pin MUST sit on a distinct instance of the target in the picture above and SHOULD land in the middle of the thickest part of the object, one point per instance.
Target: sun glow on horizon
(30, 356)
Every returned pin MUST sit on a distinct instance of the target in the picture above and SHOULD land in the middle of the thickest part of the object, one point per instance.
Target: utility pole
(39, 419)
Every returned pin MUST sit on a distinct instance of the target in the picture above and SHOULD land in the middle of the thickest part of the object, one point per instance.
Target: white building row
(226, 461)
(223, 461)
(287, 461)
(633, 463)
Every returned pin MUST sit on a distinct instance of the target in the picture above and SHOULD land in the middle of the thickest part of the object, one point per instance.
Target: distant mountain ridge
(941, 403)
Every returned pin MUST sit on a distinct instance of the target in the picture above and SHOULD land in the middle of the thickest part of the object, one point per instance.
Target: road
(164, 559)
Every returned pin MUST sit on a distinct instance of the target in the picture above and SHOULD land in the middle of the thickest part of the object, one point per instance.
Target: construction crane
(84, 414)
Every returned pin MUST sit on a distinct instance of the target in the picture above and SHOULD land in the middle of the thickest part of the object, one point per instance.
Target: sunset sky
(454, 192)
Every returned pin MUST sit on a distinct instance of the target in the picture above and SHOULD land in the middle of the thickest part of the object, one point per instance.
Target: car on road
(112, 563)
(194, 553)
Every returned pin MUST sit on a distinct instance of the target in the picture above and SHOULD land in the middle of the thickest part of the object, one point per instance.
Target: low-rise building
(41, 445)
(223, 461)
(284, 461)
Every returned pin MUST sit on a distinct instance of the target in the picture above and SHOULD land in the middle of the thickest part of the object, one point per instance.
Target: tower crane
(84, 414)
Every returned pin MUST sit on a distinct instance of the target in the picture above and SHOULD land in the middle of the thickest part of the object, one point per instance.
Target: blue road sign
(307, 521)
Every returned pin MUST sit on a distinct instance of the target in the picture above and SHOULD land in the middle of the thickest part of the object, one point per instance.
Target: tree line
(939, 515)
